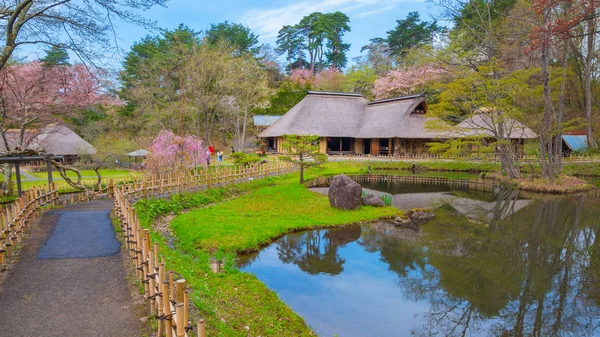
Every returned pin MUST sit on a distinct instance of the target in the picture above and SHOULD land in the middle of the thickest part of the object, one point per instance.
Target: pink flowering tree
(408, 81)
(33, 96)
(302, 76)
(169, 153)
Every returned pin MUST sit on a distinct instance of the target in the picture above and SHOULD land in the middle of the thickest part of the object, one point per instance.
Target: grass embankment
(247, 216)
(88, 177)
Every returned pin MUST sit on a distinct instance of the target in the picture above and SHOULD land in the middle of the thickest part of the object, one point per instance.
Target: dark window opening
(384, 146)
(367, 146)
(339, 144)
(272, 144)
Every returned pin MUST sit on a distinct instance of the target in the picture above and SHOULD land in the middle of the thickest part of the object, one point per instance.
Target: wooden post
(201, 328)
(167, 309)
(180, 324)
(18, 174)
(186, 306)
(180, 287)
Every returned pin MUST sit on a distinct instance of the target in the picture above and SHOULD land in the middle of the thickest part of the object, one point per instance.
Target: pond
(489, 264)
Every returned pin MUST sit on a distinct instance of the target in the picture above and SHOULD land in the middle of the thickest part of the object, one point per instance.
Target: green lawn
(245, 223)
(106, 173)
(243, 218)
(88, 178)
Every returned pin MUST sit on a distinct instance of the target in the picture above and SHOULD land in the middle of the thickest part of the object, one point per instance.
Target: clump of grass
(387, 199)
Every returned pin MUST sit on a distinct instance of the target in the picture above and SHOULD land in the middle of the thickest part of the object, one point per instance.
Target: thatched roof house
(349, 123)
(57, 139)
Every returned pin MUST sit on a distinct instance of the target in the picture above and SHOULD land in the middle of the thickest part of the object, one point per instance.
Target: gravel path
(70, 279)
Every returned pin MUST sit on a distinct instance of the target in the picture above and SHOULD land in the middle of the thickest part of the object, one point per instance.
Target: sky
(368, 18)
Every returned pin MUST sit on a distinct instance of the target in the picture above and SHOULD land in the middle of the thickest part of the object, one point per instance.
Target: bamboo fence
(168, 298)
(473, 184)
(16, 217)
(428, 156)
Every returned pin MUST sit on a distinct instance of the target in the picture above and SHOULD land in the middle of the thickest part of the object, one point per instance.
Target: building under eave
(350, 124)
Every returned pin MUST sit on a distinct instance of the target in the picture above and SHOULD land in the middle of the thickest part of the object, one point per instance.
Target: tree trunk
(546, 157)
(7, 184)
(591, 23)
(301, 162)
(561, 108)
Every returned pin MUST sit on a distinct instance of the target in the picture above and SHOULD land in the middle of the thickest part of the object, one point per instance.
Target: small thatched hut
(57, 139)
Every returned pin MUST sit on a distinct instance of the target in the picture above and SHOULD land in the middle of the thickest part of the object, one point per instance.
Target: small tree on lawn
(304, 151)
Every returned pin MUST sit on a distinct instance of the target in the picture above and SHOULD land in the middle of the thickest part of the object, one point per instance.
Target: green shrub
(245, 159)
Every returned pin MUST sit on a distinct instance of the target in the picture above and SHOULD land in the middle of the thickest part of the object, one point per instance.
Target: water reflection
(508, 268)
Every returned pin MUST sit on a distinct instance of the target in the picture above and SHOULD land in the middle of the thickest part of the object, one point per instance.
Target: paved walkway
(70, 279)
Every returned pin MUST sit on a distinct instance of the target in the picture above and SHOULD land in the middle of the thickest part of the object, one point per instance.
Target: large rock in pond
(344, 193)
(371, 200)
(420, 216)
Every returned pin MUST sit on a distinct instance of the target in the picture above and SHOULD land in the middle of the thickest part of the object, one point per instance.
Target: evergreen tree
(55, 56)
(410, 33)
(240, 37)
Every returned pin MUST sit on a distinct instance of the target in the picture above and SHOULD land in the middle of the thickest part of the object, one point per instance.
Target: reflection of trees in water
(532, 273)
(395, 246)
(316, 251)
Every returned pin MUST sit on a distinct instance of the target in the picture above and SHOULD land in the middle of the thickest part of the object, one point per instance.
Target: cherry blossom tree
(302, 76)
(33, 96)
(407, 81)
(170, 153)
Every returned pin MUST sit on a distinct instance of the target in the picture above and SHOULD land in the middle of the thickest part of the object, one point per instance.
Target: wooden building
(350, 124)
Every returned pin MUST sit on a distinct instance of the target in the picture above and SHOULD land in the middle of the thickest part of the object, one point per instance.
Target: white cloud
(268, 22)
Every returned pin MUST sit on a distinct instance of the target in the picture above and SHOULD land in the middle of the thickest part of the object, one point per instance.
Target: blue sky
(368, 18)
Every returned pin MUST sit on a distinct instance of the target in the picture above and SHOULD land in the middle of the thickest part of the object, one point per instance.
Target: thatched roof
(55, 138)
(402, 117)
(329, 114)
(321, 113)
(138, 153)
(483, 124)
(350, 115)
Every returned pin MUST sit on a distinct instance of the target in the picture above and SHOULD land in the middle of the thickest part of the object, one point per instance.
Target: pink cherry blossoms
(33, 88)
(406, 81)
(170, 152)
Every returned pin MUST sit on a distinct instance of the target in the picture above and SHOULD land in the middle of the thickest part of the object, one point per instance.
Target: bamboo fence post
(167, 309)
(179, 322)
(201, 328)
(171, 287)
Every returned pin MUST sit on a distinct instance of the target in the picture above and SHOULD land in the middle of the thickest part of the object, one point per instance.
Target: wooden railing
(428, 156)
(168, 298)
(473, 184)
(16, 217)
